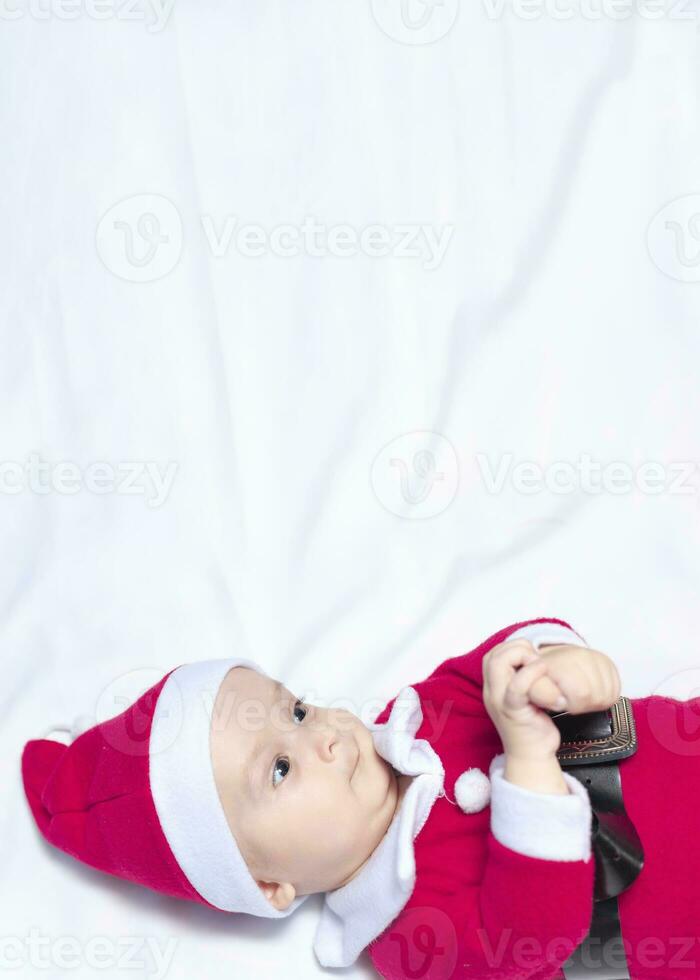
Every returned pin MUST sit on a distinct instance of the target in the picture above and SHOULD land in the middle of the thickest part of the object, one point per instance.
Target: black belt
(591, 748)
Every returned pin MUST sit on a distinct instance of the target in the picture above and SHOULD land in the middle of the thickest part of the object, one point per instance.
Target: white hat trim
(185, 795)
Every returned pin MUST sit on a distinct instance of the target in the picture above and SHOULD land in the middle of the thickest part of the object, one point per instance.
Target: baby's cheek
(317, 824)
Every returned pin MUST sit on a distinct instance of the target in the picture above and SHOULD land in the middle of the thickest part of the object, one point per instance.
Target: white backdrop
(192, 296)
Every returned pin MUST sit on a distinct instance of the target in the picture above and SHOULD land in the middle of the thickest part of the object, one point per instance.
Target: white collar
(352, 916)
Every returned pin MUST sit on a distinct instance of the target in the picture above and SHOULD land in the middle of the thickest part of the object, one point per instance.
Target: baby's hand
(588, 679)
(510, 671)
(519, 681)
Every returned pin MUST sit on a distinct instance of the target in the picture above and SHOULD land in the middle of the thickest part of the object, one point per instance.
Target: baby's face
(305, 793)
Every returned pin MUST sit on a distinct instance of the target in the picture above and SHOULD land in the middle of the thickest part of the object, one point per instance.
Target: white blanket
(313, 281)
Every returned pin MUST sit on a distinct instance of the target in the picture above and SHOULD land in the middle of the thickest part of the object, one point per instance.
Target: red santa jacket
(482, 908)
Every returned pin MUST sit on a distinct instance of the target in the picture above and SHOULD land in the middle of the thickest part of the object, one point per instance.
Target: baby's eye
(301, 703)
(284, 762)
(298, 705)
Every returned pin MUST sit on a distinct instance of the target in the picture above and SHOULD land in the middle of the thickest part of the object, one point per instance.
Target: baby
(221, 786)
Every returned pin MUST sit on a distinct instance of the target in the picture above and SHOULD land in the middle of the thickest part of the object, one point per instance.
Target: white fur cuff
(551, 826)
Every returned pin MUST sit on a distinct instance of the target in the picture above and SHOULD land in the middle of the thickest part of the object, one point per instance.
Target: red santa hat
(135, 796)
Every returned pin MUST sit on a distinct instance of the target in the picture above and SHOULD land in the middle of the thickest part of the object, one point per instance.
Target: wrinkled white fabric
(274, 382)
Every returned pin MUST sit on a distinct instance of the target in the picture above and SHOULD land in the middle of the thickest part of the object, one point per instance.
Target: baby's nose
(328, 743)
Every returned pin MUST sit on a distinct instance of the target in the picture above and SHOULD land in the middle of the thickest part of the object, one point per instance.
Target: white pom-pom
(473, 790)
(81, 724)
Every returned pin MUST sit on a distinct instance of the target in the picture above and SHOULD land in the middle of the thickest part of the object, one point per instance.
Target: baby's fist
(510, 672)
(588, 679)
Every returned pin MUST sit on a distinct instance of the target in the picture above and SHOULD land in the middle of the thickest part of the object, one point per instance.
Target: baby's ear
(279, 895)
